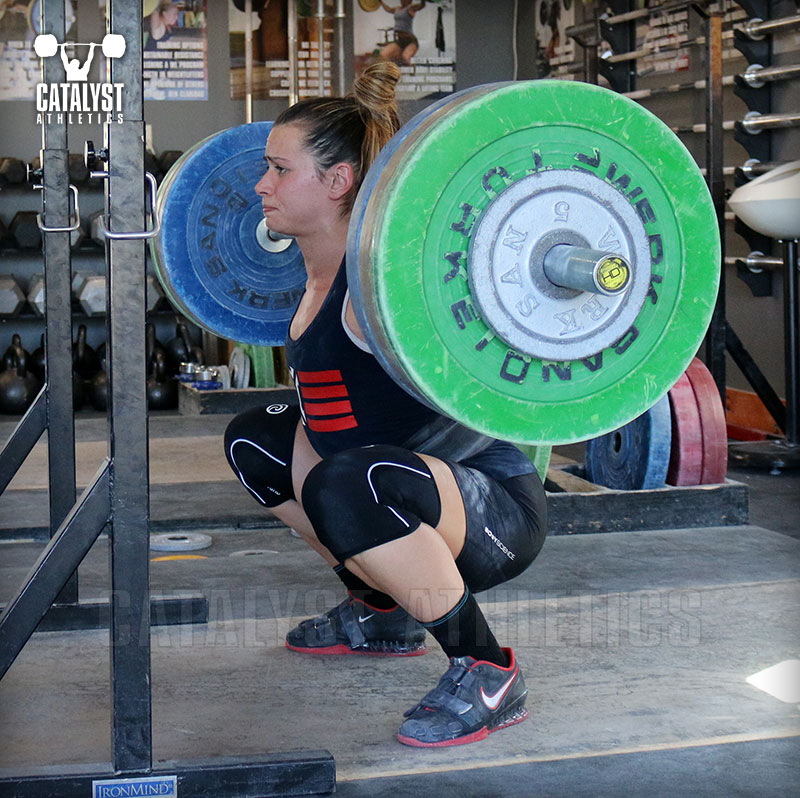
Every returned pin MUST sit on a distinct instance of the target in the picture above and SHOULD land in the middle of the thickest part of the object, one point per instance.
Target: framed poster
(269, 29)
(419, 36)
(175, 50)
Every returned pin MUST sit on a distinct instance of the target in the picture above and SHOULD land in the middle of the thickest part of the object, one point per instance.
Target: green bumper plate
(415, 300)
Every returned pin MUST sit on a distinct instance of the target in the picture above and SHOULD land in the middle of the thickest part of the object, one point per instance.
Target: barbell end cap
(594, 271)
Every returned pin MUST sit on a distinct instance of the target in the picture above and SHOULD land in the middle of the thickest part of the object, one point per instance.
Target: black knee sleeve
(258, 445)
(361, 498)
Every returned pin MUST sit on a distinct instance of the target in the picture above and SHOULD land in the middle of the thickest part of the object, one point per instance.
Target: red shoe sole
(475, 737)
(343, 649)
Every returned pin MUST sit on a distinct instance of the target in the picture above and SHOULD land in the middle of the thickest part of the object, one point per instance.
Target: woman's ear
(341, 179)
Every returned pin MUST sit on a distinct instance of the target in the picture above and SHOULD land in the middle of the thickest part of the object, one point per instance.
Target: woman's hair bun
(374, 88)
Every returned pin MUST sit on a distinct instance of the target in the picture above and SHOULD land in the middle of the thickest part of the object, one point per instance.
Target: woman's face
(294, 196)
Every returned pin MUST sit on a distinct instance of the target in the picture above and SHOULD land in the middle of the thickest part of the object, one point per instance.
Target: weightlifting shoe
(473, 699)
(353, 627)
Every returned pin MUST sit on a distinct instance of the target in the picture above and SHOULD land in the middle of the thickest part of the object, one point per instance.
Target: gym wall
(485, 36)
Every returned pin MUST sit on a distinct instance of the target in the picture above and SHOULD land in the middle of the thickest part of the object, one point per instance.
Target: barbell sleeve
(756, 262)
(629, 16)
(673, 88)
(589, 270)
(756, 28)
(756, 75)
(755, 122)
(753, 167)
(614, 58)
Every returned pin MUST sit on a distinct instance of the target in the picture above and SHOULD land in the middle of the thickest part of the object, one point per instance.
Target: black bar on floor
(23, 439)
(305, 773)
(96, 614)
(54, 567)
(757, 380)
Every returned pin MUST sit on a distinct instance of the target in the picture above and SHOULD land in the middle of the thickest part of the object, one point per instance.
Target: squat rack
(117, 498)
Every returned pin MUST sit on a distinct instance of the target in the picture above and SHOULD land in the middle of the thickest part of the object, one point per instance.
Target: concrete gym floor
(636, 648)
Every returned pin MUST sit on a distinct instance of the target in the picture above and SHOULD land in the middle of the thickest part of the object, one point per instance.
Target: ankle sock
(463, 631)
(361, 591)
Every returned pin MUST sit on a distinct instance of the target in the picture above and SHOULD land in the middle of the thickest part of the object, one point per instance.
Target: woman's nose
(263, 186)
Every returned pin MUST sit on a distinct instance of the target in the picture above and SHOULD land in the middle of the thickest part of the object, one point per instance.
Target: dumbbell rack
(117, 499)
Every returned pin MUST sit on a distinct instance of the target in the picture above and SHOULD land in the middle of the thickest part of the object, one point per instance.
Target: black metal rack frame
(117, 499)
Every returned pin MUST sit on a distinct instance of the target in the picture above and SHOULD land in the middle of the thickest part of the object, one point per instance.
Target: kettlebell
(162, 390)
(18, 386)
(180, 349)
(36, 364)
(98, 391)
(11, 358)
(84, 359)
(154, 346)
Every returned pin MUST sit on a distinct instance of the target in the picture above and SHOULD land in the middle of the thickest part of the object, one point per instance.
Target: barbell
(538, 260)
(46, 45)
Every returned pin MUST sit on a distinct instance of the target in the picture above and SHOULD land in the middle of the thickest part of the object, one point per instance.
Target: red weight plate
(686, 454)
(712, 423)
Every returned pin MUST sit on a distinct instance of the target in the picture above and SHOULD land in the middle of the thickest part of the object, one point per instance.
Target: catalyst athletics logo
(78, 100)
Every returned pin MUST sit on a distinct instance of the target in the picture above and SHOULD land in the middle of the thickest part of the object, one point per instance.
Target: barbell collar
(269, 240)
(590, 270)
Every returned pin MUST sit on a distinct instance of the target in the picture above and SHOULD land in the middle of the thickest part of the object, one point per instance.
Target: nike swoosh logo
(492, 701)
(362, 618)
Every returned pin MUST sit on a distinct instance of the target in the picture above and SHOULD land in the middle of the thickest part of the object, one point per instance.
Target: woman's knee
(258, 446)
(361, 498)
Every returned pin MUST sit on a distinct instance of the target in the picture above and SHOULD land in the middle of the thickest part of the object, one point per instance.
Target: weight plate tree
(214, 256)
(451, 253)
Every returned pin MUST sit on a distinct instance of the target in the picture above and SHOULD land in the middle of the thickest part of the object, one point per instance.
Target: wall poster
(175, 50)
(419, 36)
(269, 24)
(20, 68)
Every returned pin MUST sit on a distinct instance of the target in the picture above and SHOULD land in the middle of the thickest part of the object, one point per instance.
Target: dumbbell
(12, 170)
(92, 295)
(25, 230)
(36, 291)
(45, 45)
(12, 297)
(93, 222)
